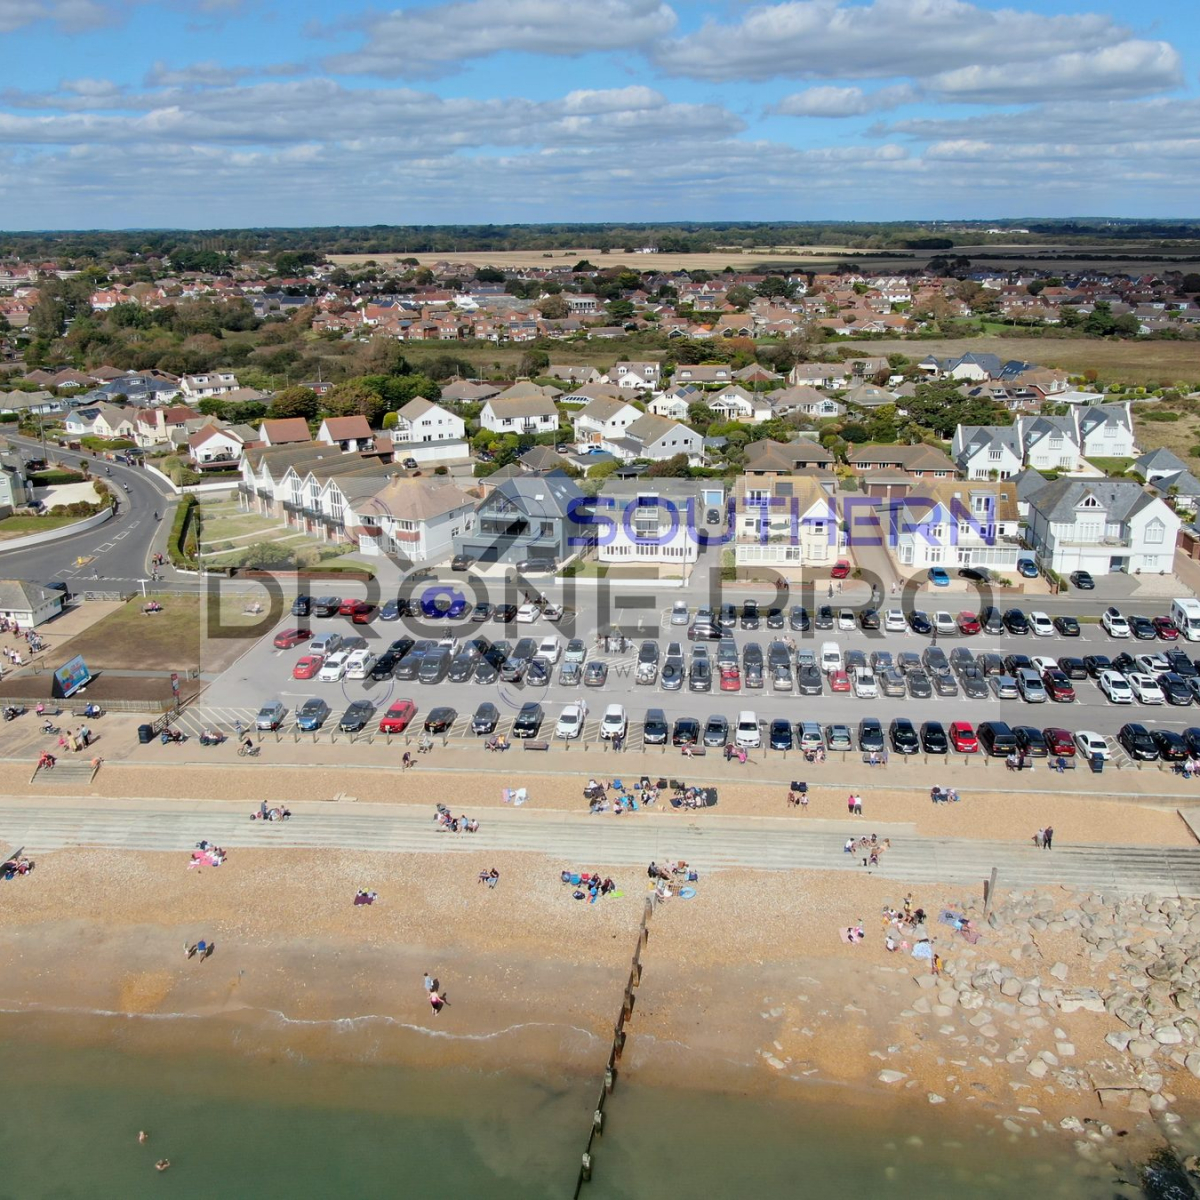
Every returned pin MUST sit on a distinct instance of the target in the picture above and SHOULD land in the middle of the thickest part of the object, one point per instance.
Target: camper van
(1186, 615)
(831, 657)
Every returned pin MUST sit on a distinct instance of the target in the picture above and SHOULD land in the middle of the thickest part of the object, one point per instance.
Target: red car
(731, 679)
(1058, 686)
(288, 638)
(962, 738)
(1059, 742)
(1166, 629)
(841, 569)
(397, 718)
(968, 622)
(363, 612)
(307, 667)
(839, 681)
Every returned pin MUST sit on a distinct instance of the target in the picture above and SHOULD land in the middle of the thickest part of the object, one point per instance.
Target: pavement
(714, 844)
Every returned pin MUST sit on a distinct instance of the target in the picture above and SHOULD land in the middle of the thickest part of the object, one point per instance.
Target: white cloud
(844, 101)
(832, 39)
(201, 74)
(433, 41)
(72, 16)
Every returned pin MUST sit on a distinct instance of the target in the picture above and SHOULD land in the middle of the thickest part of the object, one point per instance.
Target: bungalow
(100, 420)
(281, 431)
(527, 412)
(602, 420)
(29, 604)
(416, 519)
(422, 420)
(347, 433)
(705, 374)
(574, 374)
(211, 383)
(36, 403)
(213, 444)
(657, 439)
(736, 404)
(806, 401)
(471, 391)
(785, 458)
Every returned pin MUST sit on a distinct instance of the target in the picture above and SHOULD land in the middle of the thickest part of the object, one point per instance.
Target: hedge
(51, 478)
(182, 546)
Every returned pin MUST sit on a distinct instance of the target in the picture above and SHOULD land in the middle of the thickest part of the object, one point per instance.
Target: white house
(635, 376)
(784, 521)
(674, 403)
(415, 518)
(28, 603)
(652, 522)
(1105, 431)
(519, 414)
(657, 439)
(603, 419)
(804, 400)
(347, 433)
(1101, 526)
(952, 523)
(214, 444)
(422, 420)
(1050, 443)
(734, 403)
(100, 420)
(211, 383)
(987, 451)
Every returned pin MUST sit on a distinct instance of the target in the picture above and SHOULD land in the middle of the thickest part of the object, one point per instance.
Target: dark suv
(528, 721)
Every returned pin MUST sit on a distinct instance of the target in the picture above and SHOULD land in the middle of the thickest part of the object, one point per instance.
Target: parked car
(1142, 628)
(869, 618)
(301, 606)
(461, 562)
(809, 680)
(325, 644)
(312, 714)
(1031, 742)
(528, 721)
(810, 736)
(326, 606)
(504, 614)
(1097, 664)
(903, 736)
(920, 686)
(944, 623)
(1092, 744)
(307, 667)
(891, 682)
(894, 622)
(933, 738)
(699, 675)
(358, 715)
(400, 714)
(839, 681)
(837, 737)
(716, 731)
(1058, 687)
(1031, 687)
(1004, 687)
(920, 622)
(1145, 688)
(570, 674)
(841, 569)
(997, 739)
(750, 617)
(595, 674)
(654, 727)
(798, 619)
(334, 668)
(968, 623)
(974, 682)
(731, 679)
(1015, 621)
(1171, 745)
(1137, 742)
(1174, 688)
(963, 738)
(939, 577)
(576, 651)
(1059, 742)
(570, 722)
(1116, 687)
(1166, 629)
(991, 620)
(686, 732)
(1067, 626)
(614, 723)
(1072, 667)
(1116, 625)
(290, 638)
(1082, 580)
(1027, 568)
(870, 735)
(779, 736)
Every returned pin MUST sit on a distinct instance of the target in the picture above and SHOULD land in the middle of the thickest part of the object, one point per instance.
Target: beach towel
(947, 917)
(201, 858)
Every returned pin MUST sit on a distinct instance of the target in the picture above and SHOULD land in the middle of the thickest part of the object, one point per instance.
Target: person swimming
(143, 1136)
(163, 1164)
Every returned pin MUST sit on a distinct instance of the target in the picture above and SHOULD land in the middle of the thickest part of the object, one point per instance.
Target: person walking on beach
(857, 805)
(850, 805)
(436, 1003)
(1047, 837)
(429, 983)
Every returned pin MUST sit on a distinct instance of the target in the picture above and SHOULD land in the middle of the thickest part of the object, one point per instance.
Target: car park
(1116, 687)
(1067, 626)
(944, 623)
(1171, 746)
(1058, 687)
(1031, 742)
(312, 714)
(400, 714)
(837, 737)
(654, 727)
(686, 732)
(750, 615)
(920, 686)
(1137, 742)
(933, 738)
(1059, 742)
(963, 738)
(290, 638)
(1142, 628)
(716, 731)
(779, 736)
(570, 722)
(997, 739)
(334, 668)
(968, 623)
(1145, 688)
(1016, 622)
(1174, 688)
(614, 723)
(528, 722)
(1166, 629)
(870, 735)
(839, 681)
(358, 715)
(903, 736)
(307, 667)
(1082, 580)
(595, 674)
(939, 577)
(894, 622)
(798, 619)
(1091, 744)
(919, 622)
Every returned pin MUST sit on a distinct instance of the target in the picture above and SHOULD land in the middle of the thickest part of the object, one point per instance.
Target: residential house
(1167, 475)
(734, 403)
(1050, 443)
(101, 421)
(657, 439)
(767, 457)
(651, 524)
(472, 391)
(1101, 526)
(527, 409)
(29, 604)
(602, 420)
(674, 403)
(574, 374)
(415, 519)
(347, 433)
(918, 461)
(422, 420)
(15, 489)
(282, 431)
(954, 524)
(704, 374)
(869, 395)
(987, 451)
(527, 516)
(805, 401)
(215, 444)
(35, 403)
(818, 375)
(1105, 431)
(783, 521)
(154, 426)
(977, 367)
(639, 376)
(210, 383)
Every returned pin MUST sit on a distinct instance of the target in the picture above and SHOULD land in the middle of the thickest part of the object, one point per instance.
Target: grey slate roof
(1120, 498)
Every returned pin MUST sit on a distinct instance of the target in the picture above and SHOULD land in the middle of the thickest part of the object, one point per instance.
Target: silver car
(1005, 687)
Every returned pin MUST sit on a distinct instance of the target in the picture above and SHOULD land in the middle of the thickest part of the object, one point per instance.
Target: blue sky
(209, 113)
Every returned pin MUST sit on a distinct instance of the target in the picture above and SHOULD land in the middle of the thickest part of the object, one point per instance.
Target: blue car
(1028, 568)
(312, 715)
(390, 611)
(939, 577)
(442, 604)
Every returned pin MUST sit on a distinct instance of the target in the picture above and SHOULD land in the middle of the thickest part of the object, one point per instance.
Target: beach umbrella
(923, 950)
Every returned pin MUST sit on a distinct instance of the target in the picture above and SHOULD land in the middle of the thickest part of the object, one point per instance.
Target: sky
(229, 113)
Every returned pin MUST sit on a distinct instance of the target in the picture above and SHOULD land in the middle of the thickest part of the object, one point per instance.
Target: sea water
(283, 1126)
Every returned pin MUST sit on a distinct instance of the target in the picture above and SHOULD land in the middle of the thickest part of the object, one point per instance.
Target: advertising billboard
(70, 677)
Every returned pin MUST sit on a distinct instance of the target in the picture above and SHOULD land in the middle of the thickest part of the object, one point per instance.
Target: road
(120, 547)
(580, 842)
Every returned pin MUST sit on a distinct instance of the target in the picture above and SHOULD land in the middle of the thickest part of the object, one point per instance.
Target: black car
(808, 680)
(854, 660)
(505, 613)
(654, 727)
(1014, 664)
(919, 622)
(529, 720)
(540, 565)
(326, 606)
(775, 618)
(1067, 626)
(780, 735)
(944, 684)
(1174, 688)
(961, 657)
(1015, 621)
(919, 685)
(752, 655)
(752, 675)
(700, 676)
(486, 717)
(487, 670)
(990, 620)
(462, 668)
(1097, 664)
(750, 618)
(1073, 668)
(1137, 742)
(409, 666)
(881, 660)
(1125, 663)
(825, 618)
(537, 674)
(1143, 629)
(904, 736)
(301, 606)
(1083, 581)
(1191, 736)
(440, 719)
(727, 616)
(716, 731)
(1181, 664)
(686, 732)
(974, 683)
(357, 716)
(1172, 747)
(1030, 741)
(385, 664)
(481, 611)
(434, 666)
(934, 659)
(870, 735)
(991, 663)
(798, 619)
(461, 562)
(975, 574)
(869, 618)
(908, 660)
(933, 738)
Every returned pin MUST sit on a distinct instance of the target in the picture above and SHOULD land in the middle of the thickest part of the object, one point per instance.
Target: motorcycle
(12, 712)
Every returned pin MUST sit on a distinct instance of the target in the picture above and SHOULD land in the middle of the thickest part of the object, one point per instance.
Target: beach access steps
(618, 1043)
(67, 771)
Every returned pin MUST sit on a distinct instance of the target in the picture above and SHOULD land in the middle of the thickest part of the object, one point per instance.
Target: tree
(490, 275)
(533, 362)
(295, 402)
(675, 467)
(553, 308)
(740, 296)
(938, 405)
(620, 310)
(777, 286)
(357, 397)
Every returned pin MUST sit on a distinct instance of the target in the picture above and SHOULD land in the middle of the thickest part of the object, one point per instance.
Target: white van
(747, 734)
(831, 657)
(1186, 614)
(359, 664)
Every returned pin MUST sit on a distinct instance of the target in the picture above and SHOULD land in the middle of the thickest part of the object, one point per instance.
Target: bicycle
(245, 751)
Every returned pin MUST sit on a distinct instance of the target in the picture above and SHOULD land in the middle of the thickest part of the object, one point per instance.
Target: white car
(945, 624)
(576, 651)
(846, 622)
(528, 613)
(1116, 687)
(570, 724)
(552, 612)
(865, 687)
(1153, 664)
(1041, 624)
(334, 668)
(1044, 664)
(549, 648)
(747, 735)
(679, 612)
(1145, 688)
(1116, 624)
(614, 722)
(1091, 744)
(894, 622)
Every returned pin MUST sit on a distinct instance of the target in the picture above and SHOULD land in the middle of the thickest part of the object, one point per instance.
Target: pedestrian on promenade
(857, 805)
(850, 805)
(1047, 837)
(1039, 838)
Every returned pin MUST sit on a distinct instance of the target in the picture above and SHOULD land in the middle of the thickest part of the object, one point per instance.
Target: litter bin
(1097, 764)
(145, 734)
